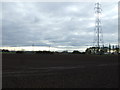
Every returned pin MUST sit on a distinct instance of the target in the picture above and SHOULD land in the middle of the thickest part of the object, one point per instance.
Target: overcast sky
(56, 24)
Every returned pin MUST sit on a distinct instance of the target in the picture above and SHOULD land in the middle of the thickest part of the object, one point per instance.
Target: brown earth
(59, 71)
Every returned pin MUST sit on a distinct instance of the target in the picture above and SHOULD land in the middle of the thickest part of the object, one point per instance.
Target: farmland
(59, 71)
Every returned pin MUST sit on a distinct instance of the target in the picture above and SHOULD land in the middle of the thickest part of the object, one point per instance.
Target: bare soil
(59, 71)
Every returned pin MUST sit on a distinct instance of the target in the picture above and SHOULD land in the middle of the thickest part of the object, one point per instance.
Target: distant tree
(38, 52)
(76, 52)
(82, 52)
(113, 47)
(19, 52)
(4, 50)
(44, 52)
(103, 46)
(65, 51)
(88, 51)
(102, 51)
(109, 48)
(47, 52)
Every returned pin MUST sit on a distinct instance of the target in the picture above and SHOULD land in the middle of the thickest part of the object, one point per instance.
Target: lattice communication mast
(98, 34)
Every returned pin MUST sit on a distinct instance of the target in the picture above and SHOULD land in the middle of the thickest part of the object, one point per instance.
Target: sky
(59, 25)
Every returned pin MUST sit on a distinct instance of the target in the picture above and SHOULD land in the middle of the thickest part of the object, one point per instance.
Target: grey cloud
(52, 24)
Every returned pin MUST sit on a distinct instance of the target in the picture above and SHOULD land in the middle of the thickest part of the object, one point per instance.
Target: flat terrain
(59, 71)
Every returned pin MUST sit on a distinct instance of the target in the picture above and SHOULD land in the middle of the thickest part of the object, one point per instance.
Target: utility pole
(33, 47)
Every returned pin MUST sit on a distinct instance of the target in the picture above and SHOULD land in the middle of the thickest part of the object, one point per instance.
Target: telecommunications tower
(98, 35)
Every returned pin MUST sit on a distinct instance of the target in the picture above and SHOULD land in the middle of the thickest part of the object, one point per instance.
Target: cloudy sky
(56, 24)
